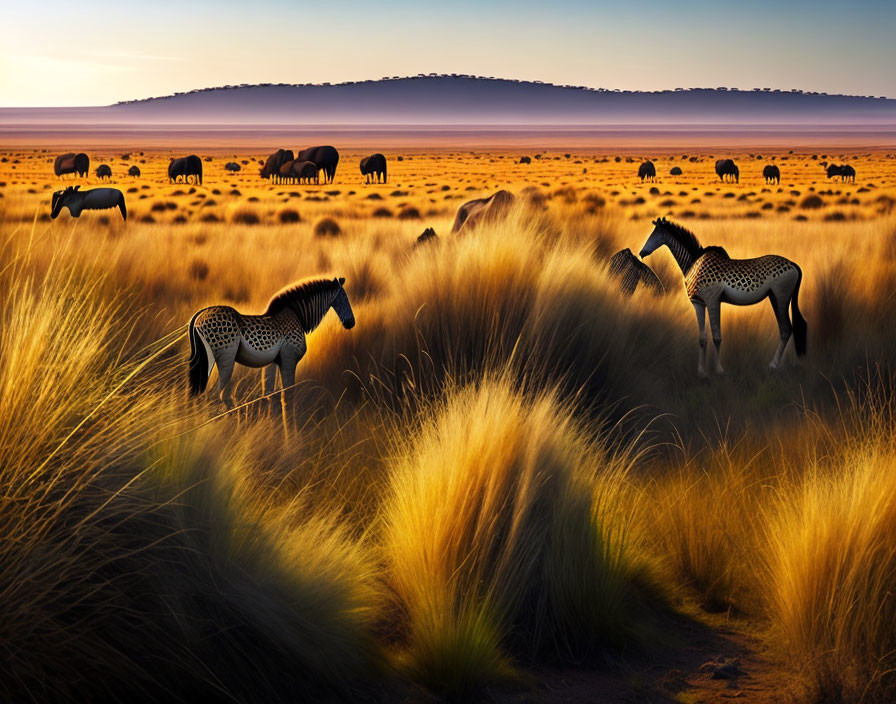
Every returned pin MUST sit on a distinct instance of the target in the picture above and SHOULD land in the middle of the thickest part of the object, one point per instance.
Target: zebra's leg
(700, 309)
(226, 359)
(715, 324)
(268, 382)
(784, 327)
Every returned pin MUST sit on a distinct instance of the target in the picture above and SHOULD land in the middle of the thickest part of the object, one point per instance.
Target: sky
(97, 52)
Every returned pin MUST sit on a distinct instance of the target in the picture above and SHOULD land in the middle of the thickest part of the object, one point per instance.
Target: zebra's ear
(76, 188)
(341, 280)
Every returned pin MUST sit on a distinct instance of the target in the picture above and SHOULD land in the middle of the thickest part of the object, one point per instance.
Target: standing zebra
(711, 278)
(223, 336)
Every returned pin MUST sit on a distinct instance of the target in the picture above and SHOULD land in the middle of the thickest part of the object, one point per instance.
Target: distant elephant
(847, 173)
(305, 172)
(525, 159)
(482, 210)
(134, 171)
(103, 171)
(271, 168)
(185, 166)
(727, 170)
(72, 163)
(772, 174)
(326, 158)
(647, 171)
(375, 166)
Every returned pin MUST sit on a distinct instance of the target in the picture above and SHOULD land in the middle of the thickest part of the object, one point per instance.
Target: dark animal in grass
(185, 167)
(374, 166)
(675, 171)
(284, 173)
(427, 235)
(631, 271)
(272, 164)
(771, 174)
(71, 163)
(78, 201)
(482, 210)
(305, 172)
(103, 171)
(647, 171)
(232, 166)
(727, 170)
(525, 159)
(326, 158)
(845, 172)
(134, 171)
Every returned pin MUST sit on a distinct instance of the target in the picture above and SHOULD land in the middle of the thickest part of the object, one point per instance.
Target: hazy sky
(95, 52)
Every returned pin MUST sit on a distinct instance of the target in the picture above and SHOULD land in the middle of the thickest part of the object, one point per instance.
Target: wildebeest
(326, 158)
(103, 171)
(647, 171)
(772, 174)
(631, 271)
(77, 201)
(525, 159)
(305, 171)
(482, 210)
(727, 170)
(375, 166)
(675, 171)
(72, 163)
(134, 171)
(232, 166)
(845, 172)
(272, 164)
(185, 166)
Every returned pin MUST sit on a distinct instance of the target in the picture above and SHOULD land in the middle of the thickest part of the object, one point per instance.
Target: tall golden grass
(464, 485)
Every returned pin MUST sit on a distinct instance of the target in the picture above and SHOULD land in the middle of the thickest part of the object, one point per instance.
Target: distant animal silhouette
(326, 158)
(71, 163)
(271, 168)
(232, 166)
(845, 172)
(374, 166)
(305, 172)
(103, 171)
(647, 171)
(185, 167)
(727, 170)
(525, 159)
(711, 278)
(482, 210)
(772, 174)
(284, 173)
(223, 336)
(675, 171)
(134, 171)
(631, 271)
(427, 235)
(77, 201)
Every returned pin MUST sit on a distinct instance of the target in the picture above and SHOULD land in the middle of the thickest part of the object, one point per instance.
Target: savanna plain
(505, 483)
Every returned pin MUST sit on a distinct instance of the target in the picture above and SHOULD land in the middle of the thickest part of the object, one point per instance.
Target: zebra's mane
(684, 236)
(298, 293)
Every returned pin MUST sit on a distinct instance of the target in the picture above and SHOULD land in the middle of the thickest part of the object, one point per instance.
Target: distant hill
(470, 100)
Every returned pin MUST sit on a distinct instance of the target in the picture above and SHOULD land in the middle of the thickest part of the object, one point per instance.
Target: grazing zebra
(631, 271)
(711, 278)
(77, 200)
(221, 335)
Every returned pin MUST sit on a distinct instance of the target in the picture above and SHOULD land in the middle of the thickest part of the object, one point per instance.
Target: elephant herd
(727, 170)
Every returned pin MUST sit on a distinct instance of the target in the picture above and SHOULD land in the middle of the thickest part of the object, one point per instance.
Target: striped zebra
(221, 335)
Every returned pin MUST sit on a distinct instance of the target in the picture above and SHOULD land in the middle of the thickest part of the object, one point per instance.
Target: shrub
(327, 227)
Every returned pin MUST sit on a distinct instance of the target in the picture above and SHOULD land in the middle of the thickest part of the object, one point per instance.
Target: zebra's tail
(200, 369)
(800, 328)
